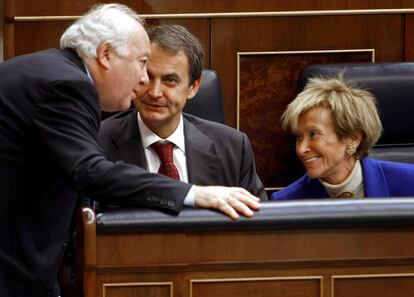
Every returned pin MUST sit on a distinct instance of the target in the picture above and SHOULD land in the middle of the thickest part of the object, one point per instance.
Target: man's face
(167, 92)
(125, 74)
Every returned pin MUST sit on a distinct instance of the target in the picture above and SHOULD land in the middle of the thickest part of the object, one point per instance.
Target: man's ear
(194, 88)
(104, 54)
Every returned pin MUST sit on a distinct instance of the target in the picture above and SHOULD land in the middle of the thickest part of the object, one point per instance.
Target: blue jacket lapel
(375, 184)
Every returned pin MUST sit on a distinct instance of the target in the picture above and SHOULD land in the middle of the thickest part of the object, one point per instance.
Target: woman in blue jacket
(335, 127)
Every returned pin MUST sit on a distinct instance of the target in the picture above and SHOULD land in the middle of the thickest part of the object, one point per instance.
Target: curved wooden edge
(87, 254)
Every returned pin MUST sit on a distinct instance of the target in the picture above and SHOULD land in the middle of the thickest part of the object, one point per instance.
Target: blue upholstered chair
(208, 102)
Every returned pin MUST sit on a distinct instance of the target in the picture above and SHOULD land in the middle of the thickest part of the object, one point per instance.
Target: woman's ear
(355, 139)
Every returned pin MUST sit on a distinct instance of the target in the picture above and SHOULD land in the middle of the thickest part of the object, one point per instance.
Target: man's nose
(154, 89)
(144, 78)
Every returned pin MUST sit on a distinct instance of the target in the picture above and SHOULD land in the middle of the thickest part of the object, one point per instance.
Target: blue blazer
(381, 179)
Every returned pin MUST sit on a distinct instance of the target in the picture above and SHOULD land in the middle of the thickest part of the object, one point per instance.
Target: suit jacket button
(170, 204)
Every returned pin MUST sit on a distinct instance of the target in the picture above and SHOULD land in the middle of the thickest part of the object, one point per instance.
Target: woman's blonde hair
(354, 110)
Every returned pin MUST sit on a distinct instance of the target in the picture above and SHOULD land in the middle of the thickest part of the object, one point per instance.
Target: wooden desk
(315, 248)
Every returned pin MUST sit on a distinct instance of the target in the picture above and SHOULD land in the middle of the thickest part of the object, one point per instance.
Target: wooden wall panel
(389, 32)
(138, 290)
(409, 38)
(266, 287)
(77, 7)
(34, 36)
(261, 260)
(266, 97)
(385, 285)
(382, 33)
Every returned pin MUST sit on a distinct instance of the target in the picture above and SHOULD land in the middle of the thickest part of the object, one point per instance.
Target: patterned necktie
(164, 151)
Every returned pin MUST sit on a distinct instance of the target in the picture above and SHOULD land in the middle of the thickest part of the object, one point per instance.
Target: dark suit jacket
(49, 121)
(216, 154)
(381, 179)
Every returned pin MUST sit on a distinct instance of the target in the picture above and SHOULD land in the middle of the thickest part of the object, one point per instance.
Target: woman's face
(319, 148)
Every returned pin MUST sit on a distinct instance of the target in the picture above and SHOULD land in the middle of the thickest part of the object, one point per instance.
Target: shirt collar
(351, 184)
(148, 137)
(88, 73)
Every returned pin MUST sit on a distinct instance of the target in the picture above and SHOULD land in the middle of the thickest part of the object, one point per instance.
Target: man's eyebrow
(172, 75)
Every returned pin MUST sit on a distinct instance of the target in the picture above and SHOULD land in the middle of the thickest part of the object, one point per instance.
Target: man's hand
(229, 200)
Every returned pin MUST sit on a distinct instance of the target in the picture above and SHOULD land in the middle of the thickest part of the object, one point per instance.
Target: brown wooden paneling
(409, 38)
(263, 262)
(229, 36)
(294, 287)
(378, 286)
(34, 36)
(213, 247)
(76, 7)
(137, 290)
(262, 102)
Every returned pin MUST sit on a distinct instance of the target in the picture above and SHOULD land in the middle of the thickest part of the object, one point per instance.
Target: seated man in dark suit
(204, 152)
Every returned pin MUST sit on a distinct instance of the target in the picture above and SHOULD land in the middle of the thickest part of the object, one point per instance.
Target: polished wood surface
(387, 27)
(77, 7)
(299, 262)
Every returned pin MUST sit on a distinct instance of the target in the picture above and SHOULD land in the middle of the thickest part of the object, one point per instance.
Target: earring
(351, 150)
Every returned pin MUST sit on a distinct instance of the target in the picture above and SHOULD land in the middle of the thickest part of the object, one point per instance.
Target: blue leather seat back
(208, 102)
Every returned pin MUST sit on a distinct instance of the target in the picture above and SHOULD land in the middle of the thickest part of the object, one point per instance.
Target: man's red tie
(164, 151)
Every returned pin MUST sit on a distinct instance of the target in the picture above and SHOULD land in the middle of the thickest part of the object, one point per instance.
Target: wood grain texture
(263, 101)
(77, 7)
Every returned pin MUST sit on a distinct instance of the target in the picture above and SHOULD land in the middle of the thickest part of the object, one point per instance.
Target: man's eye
(298, 138)
(171, 80)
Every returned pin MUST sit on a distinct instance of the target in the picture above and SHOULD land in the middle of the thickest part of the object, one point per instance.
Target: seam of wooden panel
(137, 284)
(361, 276)
(251, 279)
(234, 14)
(239, 54)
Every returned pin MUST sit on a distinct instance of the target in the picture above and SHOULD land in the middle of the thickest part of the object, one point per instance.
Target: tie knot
(164, 150)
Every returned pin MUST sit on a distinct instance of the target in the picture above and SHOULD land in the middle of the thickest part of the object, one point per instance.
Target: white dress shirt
(153, 161)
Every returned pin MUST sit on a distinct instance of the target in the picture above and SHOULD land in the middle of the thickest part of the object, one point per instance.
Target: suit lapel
(375, 184)
(203, 163)
(127, 140)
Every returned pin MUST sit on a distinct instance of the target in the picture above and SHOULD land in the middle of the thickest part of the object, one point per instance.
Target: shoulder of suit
(117, 120)
(210, 125)
(388, 165)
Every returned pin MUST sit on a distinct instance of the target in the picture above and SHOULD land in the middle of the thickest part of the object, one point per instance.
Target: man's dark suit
(216, 154)
(49, 121)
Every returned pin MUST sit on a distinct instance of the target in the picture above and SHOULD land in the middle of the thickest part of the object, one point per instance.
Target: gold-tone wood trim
(250, 279)
(137, 284)
(381, 275)
(235, 14)
(239, 54)
(274, 188)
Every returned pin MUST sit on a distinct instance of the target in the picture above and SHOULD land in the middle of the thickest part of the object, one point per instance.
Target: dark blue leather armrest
(330, 213)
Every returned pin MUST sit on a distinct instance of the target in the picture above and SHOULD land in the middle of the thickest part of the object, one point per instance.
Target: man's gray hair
(110, 23)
